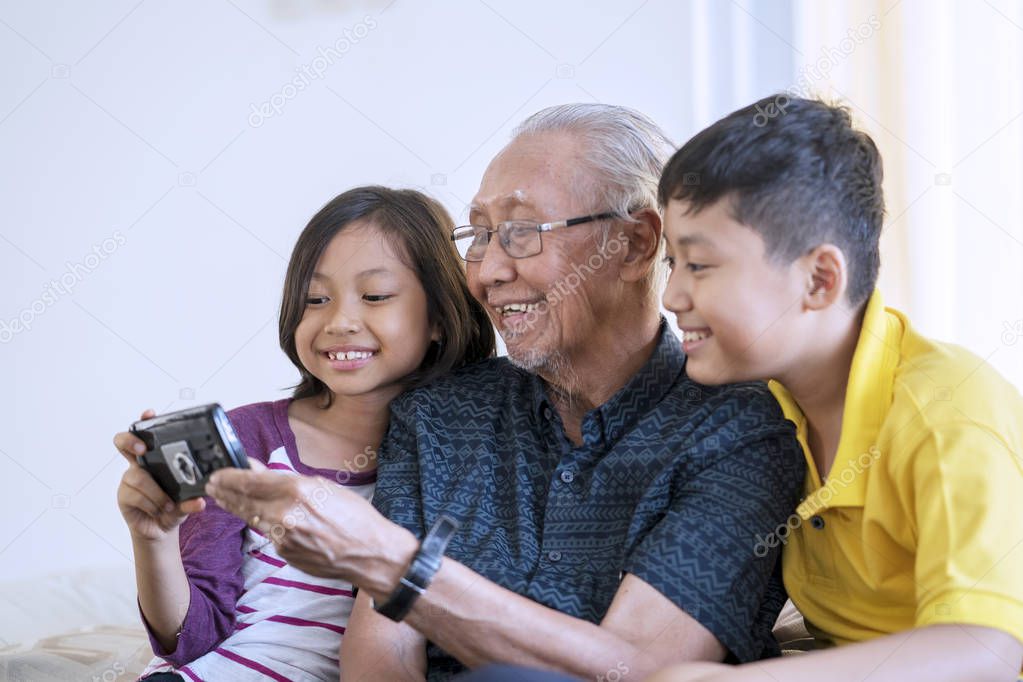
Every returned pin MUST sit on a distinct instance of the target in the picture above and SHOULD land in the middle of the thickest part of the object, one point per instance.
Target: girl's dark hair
(419, 229)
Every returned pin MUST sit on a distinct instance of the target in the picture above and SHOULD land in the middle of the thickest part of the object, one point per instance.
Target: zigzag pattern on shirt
(673, 483)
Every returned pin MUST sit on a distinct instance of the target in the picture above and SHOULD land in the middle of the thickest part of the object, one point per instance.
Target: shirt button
(567, 476)
(547, 413)
(817, 521)
(554, 556)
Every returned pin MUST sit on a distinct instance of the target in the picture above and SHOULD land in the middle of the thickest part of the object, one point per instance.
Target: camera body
(184, 448)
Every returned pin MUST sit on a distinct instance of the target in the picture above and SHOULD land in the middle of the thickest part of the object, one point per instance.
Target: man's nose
(497, 266)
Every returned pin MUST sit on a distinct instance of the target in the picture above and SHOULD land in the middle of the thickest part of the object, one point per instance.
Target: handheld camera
(184, 448)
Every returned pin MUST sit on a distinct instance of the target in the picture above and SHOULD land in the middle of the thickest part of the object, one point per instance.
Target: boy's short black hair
(796, 172)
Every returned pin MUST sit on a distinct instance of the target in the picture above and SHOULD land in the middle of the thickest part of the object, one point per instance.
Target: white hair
(624, 150)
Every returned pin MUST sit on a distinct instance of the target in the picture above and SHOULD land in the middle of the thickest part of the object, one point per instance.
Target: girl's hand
(150, 514)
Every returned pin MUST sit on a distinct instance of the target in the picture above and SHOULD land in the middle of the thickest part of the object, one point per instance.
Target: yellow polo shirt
(920, 520)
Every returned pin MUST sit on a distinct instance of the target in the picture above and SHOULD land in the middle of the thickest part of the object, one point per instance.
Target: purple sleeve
(211, 551)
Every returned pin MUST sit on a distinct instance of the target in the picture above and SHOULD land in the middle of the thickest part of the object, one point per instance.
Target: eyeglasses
(519, 238)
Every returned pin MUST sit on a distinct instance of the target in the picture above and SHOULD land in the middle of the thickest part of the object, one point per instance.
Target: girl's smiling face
(365, 325)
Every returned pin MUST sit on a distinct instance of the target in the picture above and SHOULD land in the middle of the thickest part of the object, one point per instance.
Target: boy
(907, 551)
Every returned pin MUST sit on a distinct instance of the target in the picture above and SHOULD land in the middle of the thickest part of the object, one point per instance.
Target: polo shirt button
(547, 413)
(554, 556)
(567, 476)
(817, 521)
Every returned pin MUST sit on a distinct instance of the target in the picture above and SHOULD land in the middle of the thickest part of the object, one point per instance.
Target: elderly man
(607, 507)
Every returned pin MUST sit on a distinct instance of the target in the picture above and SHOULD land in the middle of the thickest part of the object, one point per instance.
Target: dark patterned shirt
(673, 483)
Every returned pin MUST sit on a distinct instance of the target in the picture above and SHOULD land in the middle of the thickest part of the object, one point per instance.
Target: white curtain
(939, 85)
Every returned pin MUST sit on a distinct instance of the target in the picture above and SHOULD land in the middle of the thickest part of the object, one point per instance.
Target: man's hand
(935, 653)
(317, 525)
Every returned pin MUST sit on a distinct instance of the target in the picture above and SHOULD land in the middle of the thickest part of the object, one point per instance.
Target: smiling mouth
(517, 308)
(696, 335)
(350, 355)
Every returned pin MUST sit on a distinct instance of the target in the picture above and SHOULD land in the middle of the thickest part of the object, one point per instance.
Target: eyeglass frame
(540, 229)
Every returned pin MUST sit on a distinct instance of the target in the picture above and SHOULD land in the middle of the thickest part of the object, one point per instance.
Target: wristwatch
(424, 566)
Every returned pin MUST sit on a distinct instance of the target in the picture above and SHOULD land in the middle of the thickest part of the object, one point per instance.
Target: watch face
(420, 573)
(437, 539)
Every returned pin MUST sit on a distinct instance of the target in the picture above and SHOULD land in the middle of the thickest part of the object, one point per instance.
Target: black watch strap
(424, 566)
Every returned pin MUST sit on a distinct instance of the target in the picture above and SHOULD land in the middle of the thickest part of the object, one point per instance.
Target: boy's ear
(827, 277)
(642, 242)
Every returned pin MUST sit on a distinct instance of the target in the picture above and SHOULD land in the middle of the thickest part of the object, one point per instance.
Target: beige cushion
(109, 653)
(103, 652)
(791, 632)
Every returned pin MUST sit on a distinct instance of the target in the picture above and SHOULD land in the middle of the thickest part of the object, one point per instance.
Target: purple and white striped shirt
(251, 615)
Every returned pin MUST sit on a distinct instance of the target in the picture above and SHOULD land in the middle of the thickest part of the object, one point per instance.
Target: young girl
(375, 302)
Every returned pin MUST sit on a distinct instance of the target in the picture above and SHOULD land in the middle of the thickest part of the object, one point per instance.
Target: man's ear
(641, 241)
(826, 277)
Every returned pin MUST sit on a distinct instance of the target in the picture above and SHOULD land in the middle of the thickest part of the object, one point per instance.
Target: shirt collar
(640, 394)
(868, 396)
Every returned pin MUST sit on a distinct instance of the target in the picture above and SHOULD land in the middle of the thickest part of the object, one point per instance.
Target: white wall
(938, 84)
(134, 171)
(132, 166)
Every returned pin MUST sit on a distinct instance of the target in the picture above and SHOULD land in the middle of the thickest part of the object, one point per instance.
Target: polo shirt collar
(868, 396)
(640, 394)
(647, 387)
